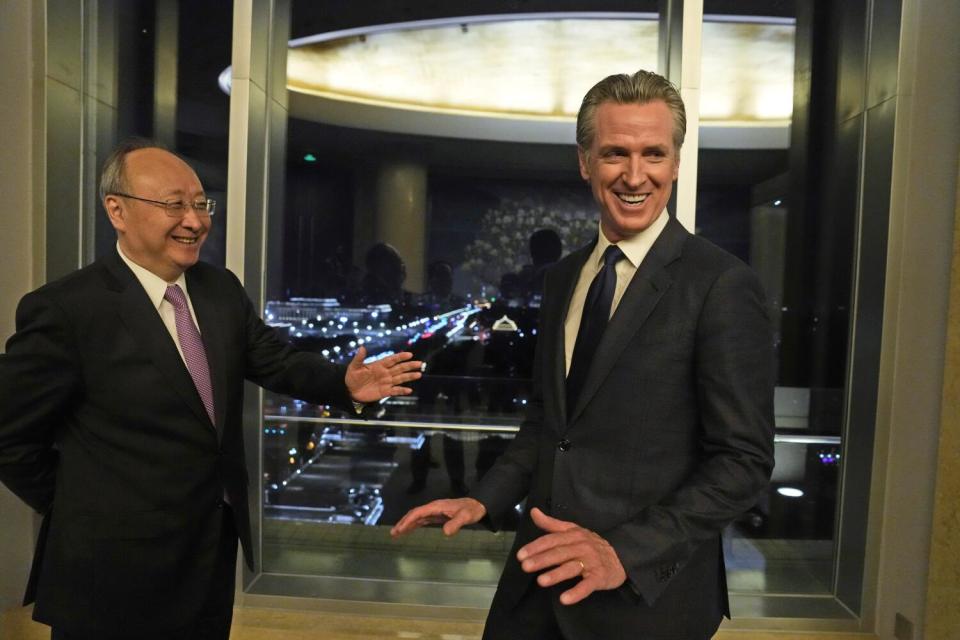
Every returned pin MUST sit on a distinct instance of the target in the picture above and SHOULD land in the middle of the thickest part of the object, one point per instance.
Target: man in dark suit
(651, 425)
(121, 396)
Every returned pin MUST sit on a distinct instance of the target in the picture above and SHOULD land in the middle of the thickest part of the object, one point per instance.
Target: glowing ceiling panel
(539, 68)
(521, 67)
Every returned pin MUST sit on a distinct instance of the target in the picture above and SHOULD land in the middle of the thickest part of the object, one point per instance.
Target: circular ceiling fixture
(521, 77)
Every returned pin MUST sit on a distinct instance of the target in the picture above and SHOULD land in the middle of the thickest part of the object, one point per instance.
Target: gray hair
(113, 178)
(640, 88)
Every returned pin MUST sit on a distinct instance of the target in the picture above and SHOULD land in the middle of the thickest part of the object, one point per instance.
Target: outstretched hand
(382, 378)
(455, 514)
(568, 551)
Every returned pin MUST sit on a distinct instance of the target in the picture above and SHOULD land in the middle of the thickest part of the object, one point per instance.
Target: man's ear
(115, 212)
(583, 160)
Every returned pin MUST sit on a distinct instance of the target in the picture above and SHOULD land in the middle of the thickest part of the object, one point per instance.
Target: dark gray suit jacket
(103, 431)
(671, 439)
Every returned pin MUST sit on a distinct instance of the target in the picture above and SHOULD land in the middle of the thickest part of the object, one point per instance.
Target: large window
(418, 212)
(398, 240)
(153, 66)
(420, 215)
(747, 168)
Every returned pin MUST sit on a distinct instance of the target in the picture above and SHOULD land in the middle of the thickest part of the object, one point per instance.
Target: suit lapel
(144, 323)
(564, 279)
(645, 290)
(211, 331)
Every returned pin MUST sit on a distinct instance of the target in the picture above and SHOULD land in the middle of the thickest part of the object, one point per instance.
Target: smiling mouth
(632, 198)
(187, 241)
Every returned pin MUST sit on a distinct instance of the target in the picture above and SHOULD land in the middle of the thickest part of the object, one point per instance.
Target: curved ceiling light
(517, 67)
(521, 77)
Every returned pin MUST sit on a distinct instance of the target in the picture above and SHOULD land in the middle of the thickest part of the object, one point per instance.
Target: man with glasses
(121, 397)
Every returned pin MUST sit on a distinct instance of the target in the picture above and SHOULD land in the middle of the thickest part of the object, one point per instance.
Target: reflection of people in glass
(442, 385)
(385, 274)
(439, 296)
(511, 290)
(421, 463)
(121, 399)
(545, 249)
(661, 432)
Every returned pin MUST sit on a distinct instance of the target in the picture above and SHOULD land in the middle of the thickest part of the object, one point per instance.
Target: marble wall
(943, 583)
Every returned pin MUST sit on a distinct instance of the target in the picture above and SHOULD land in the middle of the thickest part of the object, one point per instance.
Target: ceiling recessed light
(790, 492)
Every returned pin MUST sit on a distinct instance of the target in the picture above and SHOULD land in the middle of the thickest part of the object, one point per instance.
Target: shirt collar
(154, 285)
(636, 247)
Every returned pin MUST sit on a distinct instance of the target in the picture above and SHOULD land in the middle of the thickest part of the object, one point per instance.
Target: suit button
(220, 504)
(563, 445)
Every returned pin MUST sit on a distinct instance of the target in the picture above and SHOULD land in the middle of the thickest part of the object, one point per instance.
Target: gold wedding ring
(583, 568)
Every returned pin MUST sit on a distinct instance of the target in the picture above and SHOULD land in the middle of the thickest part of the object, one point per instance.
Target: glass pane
(154, 67)
(750, 162)
(396, 239)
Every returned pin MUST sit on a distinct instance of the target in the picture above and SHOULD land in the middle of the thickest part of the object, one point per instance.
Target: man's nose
(191, 220)
(634, 173)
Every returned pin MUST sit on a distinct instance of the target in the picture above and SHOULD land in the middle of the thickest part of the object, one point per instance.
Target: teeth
(186, 240)
(632, 198)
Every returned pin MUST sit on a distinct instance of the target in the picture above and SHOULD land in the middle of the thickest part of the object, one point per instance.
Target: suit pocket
(146, 569)
(136, 525)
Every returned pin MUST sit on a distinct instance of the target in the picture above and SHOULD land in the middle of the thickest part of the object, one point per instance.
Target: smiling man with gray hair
(651, 423)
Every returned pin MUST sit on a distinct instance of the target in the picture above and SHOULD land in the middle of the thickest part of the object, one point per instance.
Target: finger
(359, 357)
(579, 591)
(457, 522)
(403, 527)
(566, 571)
(548, 523)
(469, 512)
(396, 359)
(551, 540)
(402, 530)
(553, 557)
(430, 513)
(411, 365)
(409, 523)
(399, 391)
(418, 517)
(406, 377)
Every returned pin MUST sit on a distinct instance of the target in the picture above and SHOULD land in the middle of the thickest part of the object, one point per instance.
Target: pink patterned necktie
(192, 346)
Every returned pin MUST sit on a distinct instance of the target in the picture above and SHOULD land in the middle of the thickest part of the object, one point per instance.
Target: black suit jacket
(103, 431)
(671, 439)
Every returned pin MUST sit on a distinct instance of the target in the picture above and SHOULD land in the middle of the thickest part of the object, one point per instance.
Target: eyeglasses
(176, 208)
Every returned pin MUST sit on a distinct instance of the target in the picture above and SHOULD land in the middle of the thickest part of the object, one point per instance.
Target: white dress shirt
(156, 287)
(635, 249)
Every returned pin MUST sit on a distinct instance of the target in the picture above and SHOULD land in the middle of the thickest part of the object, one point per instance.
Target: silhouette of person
(444, 364)
(545, 249)
(385, 274)
(440, 296)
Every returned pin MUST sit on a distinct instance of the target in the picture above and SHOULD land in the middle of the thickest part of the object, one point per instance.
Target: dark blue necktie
(593, 322)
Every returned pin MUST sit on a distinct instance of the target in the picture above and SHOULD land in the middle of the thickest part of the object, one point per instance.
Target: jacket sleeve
(734, 377)
(510, 478)
(275, 364)
(39, 378)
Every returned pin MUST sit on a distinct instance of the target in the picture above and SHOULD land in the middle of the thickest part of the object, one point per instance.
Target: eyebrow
(179, 193)
(656, 147)
(612, 147)
(665, 149)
